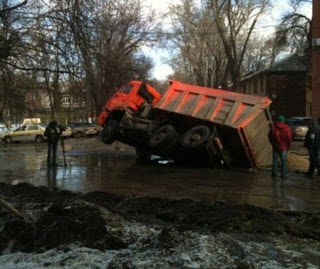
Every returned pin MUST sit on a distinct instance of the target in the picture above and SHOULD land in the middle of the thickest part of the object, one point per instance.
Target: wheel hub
(195, 137)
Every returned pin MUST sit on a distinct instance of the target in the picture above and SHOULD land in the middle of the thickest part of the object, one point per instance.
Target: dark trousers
(314, 162)
(52, 154)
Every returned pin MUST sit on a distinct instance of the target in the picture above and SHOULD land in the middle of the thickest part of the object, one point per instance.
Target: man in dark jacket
(280, 137)
(312, 143)
(52, 133)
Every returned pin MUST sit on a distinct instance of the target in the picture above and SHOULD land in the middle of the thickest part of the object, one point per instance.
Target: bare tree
(213, 38)
(235, 21)
(294, 32)
(10, 38)
(200, 56)
(85, 47)
(108, 37)
(259, 54)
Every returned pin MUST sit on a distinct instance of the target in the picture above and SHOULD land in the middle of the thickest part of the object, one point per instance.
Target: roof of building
(290, 63)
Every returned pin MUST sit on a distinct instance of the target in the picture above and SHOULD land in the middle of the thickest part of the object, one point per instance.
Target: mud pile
(98, 220)
(54, 218)
(207, 217)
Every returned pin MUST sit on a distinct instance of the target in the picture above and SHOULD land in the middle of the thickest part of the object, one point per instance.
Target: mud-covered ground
(62, 229)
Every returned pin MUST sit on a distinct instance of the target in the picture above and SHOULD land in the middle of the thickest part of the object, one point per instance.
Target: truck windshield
(126, 89)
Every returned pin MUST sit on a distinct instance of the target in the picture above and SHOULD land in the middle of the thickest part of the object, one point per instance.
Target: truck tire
(164, 138)
(109, 132)
(196, 137)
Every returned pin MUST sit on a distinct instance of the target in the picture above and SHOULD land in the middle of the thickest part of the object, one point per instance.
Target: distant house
(71, 103)
(287, 83)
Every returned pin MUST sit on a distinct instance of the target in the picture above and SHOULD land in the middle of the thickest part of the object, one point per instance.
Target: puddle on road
(118, 172)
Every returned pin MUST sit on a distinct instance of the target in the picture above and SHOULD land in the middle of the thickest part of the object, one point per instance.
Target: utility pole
(316, 59)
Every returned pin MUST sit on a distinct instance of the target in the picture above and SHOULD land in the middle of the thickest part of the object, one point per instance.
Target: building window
(66, 100)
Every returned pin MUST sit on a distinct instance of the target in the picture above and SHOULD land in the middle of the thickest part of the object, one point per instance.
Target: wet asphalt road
(94, 166)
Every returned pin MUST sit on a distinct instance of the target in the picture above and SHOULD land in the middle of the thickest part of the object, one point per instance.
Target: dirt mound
(52, 218)
(59, 224)
(25, 192)
(57, 218)
(208, 217)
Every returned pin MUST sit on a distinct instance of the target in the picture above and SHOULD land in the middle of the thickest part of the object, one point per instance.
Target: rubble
(102, 230)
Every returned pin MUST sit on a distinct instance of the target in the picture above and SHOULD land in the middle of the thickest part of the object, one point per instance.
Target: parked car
(99, 128)
(299, 126)
(66, 130)
(81, 129)
(306, 119)
(31, 132)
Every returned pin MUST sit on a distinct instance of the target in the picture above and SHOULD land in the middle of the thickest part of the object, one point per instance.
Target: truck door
(130, 96)
(126, 97)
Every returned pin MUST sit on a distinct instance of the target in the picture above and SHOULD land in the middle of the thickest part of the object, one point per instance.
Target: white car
(81, 129)
(30, 132)
(2, 130)
(66, 132)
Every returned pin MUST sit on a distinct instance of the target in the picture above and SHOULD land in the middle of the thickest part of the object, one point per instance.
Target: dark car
(299, 126)
(81, 129)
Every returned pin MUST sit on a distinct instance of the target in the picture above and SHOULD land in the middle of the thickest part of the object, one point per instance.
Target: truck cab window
(126, 89)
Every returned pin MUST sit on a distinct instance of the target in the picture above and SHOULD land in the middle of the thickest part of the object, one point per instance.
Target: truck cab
(130, 96)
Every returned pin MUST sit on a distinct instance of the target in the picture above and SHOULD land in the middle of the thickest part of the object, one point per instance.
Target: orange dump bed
(243, 120)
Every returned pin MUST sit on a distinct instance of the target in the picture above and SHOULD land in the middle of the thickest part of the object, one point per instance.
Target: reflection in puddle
(120, 173)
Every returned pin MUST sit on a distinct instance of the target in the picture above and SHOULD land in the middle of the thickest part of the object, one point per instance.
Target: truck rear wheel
(196, 137)
(164, 138)
(109, 132)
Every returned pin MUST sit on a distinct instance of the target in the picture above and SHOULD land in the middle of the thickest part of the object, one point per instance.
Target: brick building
(287, 83)
(316, 58)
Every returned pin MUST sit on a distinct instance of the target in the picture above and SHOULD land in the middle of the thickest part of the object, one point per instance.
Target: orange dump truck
(190, 123)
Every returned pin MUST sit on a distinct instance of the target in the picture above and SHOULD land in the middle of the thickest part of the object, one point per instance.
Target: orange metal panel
(214, 105)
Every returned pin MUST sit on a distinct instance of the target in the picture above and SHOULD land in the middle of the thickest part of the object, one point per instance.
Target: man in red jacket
(280, 138)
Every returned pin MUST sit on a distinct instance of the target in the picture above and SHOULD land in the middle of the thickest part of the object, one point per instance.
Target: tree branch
(13, 7)
(38, 69)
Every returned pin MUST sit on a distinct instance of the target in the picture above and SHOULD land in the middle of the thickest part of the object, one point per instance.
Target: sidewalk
(296, 163)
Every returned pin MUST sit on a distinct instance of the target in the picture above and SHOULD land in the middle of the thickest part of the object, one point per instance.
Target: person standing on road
(312, 143)
(52, 133)
(280, 137)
